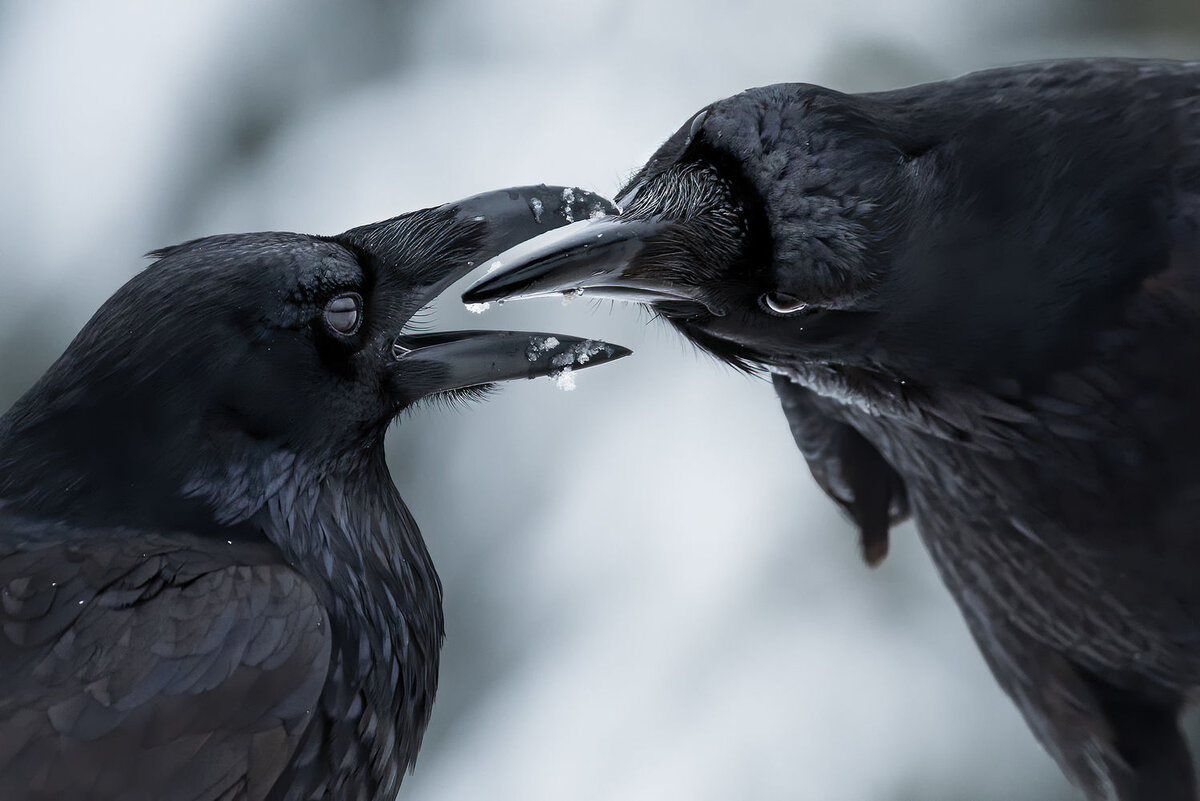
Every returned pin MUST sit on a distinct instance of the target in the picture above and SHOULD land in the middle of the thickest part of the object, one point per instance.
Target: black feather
(1002, 274)
(210, 588)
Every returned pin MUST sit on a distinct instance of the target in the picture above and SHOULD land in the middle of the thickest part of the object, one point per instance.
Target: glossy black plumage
(209, 585)
(990, 295)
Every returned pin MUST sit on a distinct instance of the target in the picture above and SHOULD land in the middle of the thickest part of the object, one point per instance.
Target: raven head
(755, 229)
(970, 232)
(233, 358)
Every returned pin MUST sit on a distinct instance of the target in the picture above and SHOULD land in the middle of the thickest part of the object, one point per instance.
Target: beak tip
(612, 352)
(507, 284)
(477, 295)
(554, 352)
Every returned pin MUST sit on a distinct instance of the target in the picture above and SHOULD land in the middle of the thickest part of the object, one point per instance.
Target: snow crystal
(568, 197)
(597, 214)
(565, 379)
(495, 265)
(478, 308)
(580, 353)
(535, 206)
(569, 297)
(539, 346)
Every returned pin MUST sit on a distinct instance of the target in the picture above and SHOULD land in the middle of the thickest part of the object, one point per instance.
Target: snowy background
(647, 596)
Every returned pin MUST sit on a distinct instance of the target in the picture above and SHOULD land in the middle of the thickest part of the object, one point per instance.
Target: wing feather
(850, 470)
(161, 667)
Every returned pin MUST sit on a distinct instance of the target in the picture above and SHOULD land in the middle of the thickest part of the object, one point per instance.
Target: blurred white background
(647, 596)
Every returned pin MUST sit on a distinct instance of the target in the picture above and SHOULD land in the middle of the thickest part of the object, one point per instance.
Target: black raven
(980, 303)
(209, 585)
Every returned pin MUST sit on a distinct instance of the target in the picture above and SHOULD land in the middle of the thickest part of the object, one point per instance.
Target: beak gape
(449, 360)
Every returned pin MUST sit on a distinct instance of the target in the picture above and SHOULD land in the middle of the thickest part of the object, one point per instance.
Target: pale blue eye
(343, 314)
(782, 303)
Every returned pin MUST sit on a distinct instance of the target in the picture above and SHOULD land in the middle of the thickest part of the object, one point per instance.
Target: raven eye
(782, 303)
(343, 313)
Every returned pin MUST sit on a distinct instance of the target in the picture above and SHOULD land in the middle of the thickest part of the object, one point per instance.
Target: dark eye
(782, 303)
(344, 313)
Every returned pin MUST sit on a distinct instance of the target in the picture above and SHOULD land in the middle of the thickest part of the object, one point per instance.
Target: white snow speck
(565, 379)
(495, 265)
(597, 214)
(536, 207)
(478, 308)
(568, 197)
(538, 346)
(580, 353)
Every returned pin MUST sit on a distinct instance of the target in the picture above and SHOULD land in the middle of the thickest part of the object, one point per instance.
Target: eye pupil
(343, 312)
(783, 303)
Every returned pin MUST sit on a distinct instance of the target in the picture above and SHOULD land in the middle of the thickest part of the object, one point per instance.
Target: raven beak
(426, 364)
(444, 361)
(590, 257)
(501, 218)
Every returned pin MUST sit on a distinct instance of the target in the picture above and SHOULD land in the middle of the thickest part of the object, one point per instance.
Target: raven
(209, 585)
(979, 301)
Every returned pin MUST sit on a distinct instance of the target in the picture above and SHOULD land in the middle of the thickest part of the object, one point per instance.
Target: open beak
(593, 257)
(457, 359)
(491, 222)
